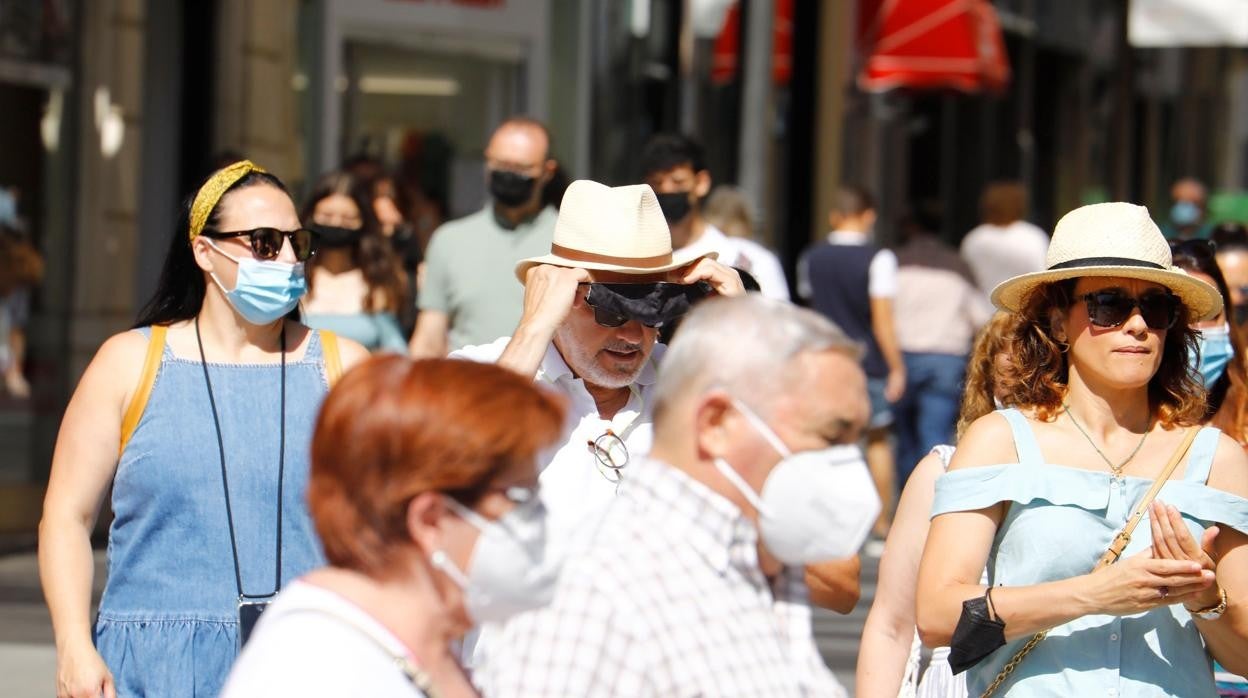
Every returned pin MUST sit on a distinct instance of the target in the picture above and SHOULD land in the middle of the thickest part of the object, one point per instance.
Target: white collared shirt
(573, 487)
(666, 599)
(745, 254)
(574, 490)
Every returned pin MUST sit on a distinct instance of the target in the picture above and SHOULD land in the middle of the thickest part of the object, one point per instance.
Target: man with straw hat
(593, 309)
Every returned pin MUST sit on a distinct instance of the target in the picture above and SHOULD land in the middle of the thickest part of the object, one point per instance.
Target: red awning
(930, 44)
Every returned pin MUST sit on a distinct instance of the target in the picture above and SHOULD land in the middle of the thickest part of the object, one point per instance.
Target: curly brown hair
(1042, 370)
(983, 376)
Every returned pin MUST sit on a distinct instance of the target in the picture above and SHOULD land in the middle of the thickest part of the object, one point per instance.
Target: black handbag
(977, 635)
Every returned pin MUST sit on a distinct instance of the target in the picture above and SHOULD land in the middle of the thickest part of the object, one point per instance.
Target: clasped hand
(1173, 570)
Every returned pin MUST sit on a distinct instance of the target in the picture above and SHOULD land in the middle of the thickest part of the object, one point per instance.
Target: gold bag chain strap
(1111, 554)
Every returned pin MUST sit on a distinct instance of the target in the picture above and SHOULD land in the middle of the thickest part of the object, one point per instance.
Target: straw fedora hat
(1111, 239)
(619, 229)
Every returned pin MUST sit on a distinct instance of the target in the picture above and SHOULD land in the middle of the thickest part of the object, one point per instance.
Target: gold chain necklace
(1115, 469)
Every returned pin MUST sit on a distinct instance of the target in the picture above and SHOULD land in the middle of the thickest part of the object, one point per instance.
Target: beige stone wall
(256, 110)
(108, 198)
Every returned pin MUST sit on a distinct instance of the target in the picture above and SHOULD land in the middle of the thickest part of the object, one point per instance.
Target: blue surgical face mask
(264, 291)
(1185, 213)
(1215, 353)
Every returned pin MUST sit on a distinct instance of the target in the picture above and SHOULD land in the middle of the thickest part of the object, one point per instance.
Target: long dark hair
(1231, 388)
(373, 254)
(180, 293)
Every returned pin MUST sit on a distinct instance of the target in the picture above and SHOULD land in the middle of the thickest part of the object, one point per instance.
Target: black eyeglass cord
(225, 482)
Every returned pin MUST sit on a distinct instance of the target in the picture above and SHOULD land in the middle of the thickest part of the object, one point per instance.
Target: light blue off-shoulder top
(1060, 520)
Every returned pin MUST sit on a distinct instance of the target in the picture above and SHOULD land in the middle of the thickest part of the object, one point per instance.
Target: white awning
(1172, 23)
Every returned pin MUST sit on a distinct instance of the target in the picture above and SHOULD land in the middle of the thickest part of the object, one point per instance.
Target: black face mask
(509, 189)
(335, 236)
(676, 206)
(652, 304)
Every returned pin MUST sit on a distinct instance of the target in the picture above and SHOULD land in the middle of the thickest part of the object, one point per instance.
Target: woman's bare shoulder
(988, 441)
(1229, 471)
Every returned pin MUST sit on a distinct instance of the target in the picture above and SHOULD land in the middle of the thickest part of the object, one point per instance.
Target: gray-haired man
(692, 582)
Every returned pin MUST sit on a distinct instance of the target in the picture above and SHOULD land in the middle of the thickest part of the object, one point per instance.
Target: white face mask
(815, 505)
(509, 571)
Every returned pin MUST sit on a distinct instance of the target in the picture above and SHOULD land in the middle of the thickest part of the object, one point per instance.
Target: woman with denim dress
(199, 419)
(1105, 398)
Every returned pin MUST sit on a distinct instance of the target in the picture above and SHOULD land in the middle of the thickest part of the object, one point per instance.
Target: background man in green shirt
(470, 293)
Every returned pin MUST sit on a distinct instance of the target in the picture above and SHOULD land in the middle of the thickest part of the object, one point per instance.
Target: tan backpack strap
(142, 391)
(333, 359)
(1111, 555)
(1124, 536)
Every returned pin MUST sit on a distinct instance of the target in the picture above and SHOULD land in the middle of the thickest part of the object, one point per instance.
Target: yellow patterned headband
(212, 191)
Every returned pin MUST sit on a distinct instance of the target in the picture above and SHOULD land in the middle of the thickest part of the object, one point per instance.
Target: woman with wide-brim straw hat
(1105, 402)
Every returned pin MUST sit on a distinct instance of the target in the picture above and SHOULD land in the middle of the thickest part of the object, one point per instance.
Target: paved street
(28, 661)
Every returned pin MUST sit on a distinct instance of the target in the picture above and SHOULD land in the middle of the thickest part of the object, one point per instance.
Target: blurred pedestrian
(424, 492)
(1219, 359)
(1220, 363)
(469, 294)
(1189, 210)
(21, 271)
(938, 311)
(1048, 491)
(389, 205)
(1004, 245)
(675, 168)
(356, 283)
(728, 209)
(199, 420)
(691, 584)
(853, 283)
(1230, 239)
(889, 656)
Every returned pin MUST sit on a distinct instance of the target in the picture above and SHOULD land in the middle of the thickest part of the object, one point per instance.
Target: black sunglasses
(1112, 307)
(266, 243)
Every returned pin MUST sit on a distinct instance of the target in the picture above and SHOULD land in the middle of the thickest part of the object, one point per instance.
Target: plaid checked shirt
(667, 599)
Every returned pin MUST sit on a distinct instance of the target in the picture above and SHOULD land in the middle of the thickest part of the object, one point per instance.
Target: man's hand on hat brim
(549, 292)
(724, 280)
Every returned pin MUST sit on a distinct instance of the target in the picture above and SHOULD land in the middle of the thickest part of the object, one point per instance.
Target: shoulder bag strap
(1111, 555)
(333, 360)
(138, 402)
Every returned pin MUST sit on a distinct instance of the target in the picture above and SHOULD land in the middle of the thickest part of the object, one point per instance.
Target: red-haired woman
(424, 493)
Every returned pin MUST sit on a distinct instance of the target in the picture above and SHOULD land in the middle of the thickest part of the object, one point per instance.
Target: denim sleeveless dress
(1060, 520)
(167, 624)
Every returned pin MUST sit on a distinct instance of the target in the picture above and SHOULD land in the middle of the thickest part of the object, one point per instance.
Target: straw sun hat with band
(1113, 239)
(621, 230)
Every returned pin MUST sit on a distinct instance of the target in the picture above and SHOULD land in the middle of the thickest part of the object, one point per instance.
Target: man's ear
(548, 169)
(714, 418)
(868, 217)
(702, 184)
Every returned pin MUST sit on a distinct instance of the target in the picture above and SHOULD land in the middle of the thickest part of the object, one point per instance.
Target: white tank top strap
(945, 453)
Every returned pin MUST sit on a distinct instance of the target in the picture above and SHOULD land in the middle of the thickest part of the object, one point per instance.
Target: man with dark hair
(854, 283)
(675, 168)
(470, 295)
